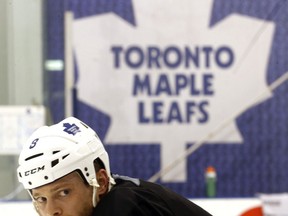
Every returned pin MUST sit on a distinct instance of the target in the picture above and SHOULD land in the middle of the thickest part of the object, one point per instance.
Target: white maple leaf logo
(105, 45)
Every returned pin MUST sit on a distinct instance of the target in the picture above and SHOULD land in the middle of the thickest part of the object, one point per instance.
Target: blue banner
(154, 78)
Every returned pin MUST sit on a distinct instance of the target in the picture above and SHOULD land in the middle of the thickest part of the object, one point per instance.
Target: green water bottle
(210, 176)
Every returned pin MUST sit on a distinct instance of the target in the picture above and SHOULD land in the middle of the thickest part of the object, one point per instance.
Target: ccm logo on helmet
(35, 170)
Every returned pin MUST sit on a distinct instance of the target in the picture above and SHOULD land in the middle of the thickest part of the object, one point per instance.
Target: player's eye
(40, 199)
(64, 192)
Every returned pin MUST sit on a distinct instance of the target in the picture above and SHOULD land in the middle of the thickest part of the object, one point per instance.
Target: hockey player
(65, 169)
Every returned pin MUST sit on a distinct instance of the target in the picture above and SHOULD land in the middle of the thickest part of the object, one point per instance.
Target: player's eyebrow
(66, 182)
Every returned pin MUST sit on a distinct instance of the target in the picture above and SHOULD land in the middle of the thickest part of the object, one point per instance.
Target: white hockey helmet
(53, 152)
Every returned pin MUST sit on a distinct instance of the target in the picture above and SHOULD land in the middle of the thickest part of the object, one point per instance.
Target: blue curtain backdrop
(258, 165)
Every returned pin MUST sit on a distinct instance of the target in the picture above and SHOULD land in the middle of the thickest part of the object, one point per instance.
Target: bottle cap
(210, 169)
(210, 172)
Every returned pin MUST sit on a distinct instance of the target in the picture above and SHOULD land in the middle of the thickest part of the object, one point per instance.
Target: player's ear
(103, 181)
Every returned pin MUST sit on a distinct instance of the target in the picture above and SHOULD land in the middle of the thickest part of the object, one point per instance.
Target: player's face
(67, 196)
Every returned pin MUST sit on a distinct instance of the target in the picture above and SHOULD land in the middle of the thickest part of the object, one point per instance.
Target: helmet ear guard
(53, 152)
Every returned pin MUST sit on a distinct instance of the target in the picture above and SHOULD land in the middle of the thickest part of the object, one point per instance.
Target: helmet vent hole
(20, 175)
(86, 169)
(55, 152)
(33, 156)
(45, 177)
(54, 162)
(87, 174)
(30, 183)
(65, 156)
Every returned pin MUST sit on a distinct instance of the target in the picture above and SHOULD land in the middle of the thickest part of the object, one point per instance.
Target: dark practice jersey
(134, 197)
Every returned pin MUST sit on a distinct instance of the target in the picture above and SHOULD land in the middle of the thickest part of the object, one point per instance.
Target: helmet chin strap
(94, 201)
(94, 184)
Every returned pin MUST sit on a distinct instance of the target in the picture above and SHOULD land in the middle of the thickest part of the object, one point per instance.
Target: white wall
(21, 52)
(217, 207)
(17, 208)
(21, 70)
